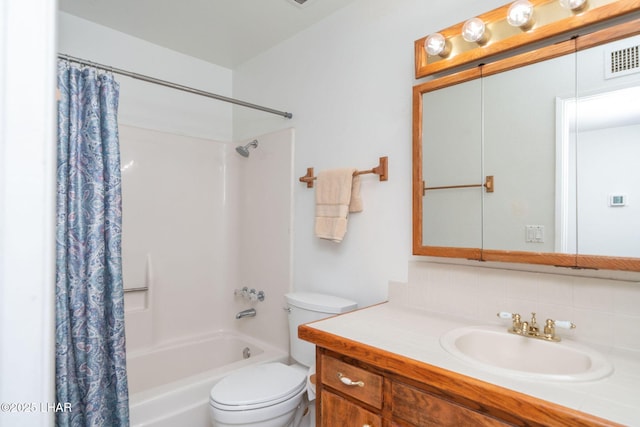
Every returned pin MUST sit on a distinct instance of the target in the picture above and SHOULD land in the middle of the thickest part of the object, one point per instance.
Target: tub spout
(251, 312)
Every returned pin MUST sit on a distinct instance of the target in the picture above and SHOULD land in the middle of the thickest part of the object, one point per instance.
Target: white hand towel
(333, 195)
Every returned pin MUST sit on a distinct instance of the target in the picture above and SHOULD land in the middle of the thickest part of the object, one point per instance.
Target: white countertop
(416, 334)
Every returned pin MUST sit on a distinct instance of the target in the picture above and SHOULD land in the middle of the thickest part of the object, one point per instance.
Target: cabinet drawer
(365, 386)
(421, 408)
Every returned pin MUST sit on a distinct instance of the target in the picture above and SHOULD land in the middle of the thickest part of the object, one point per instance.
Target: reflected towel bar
(488, 184)
(381, 170)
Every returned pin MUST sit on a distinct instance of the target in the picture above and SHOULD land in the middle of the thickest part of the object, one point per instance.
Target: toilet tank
(306, 307)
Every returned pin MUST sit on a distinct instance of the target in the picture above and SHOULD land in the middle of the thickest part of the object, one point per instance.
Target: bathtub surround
(205, 207)
(264, 231)
(91, 373)
(176, 236)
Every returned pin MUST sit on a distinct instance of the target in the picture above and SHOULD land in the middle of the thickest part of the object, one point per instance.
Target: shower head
(243, 150)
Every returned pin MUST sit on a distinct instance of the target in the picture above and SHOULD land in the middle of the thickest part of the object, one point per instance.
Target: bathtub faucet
(250, 312)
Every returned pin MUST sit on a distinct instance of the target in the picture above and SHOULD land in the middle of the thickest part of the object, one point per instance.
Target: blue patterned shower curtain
(90, 341)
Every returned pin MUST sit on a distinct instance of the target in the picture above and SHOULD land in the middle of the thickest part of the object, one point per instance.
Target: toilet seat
(257, 387)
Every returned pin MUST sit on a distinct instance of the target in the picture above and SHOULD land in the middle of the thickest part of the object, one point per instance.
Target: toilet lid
(259, 385)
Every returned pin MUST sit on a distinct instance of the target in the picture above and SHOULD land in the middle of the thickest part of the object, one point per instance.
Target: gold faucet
(530, 329)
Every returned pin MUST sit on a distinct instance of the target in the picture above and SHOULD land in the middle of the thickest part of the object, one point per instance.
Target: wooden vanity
(362, 385)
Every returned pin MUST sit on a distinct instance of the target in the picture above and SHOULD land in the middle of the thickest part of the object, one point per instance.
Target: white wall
(607, 165)
(27, 210)
(147, 105)
(347, 81)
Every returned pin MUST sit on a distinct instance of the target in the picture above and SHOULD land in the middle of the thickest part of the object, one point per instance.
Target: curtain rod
(153, 80)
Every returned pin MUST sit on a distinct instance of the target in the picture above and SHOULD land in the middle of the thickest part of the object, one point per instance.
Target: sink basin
(494, 350)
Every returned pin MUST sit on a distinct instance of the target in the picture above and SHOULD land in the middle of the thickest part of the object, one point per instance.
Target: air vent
(622, 62)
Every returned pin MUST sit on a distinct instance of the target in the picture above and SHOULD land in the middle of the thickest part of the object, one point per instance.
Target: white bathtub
(169, 385)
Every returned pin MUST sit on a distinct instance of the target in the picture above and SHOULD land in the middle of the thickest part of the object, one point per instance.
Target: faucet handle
(566, 324)
(505, 315)
(516, 321)
(550, 328)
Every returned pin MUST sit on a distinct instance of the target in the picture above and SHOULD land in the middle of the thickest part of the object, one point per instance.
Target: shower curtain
(90, 341)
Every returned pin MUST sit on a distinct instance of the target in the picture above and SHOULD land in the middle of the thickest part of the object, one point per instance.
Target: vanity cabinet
(370, 395)
(359, 385)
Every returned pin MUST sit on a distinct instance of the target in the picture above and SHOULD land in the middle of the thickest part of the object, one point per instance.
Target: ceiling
(223, 32)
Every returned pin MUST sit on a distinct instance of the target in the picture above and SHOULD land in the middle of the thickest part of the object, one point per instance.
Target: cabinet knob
(349, 381)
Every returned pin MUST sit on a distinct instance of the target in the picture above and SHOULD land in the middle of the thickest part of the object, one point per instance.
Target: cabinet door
(337, 411)
(423, 409)
(521, 137)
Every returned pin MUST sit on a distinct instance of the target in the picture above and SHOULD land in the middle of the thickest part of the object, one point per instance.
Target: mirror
(519, 150)
(607, 127)
(562, 160)
(453, 216)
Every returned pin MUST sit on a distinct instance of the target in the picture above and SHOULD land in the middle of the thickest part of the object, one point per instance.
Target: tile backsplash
(606, 311)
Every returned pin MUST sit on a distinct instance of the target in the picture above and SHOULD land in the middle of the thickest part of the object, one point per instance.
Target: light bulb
(520, 14)
(474, 31)
(575, 5)
(436, 44)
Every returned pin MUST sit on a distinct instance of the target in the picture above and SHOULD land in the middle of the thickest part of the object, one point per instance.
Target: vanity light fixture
(475, 31)
(517, 23)
(520, 14)
(437, 44)
(574, 5)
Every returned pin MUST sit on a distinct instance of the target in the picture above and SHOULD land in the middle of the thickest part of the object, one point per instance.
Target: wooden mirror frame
(574, 44)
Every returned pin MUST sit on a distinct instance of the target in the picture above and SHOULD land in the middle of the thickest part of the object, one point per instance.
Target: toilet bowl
(269, 395)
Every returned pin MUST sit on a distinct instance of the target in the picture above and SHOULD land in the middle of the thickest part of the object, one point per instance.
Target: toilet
(268, 395)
